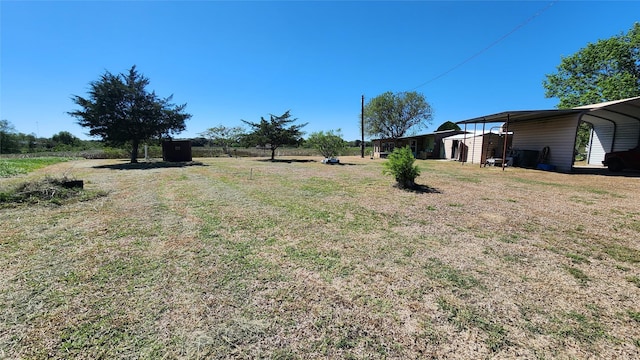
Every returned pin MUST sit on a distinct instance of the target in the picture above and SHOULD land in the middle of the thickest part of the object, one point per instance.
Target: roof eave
(519, 115)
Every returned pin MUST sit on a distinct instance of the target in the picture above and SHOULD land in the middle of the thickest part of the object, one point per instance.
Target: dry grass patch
(251, 259)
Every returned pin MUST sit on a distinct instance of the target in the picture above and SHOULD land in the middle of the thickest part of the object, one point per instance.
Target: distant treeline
(14, 144)
(19, 143)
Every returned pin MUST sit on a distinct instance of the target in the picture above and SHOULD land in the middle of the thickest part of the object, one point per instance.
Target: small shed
(176, 150)
(475, 147)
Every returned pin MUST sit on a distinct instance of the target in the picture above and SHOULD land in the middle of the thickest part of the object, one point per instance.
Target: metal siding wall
(626, 135)
(447, 143)
(627, 131)
(558, 134)
(475, 149)
(600, 143)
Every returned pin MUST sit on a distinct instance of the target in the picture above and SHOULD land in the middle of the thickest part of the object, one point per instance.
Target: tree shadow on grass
(347, 164)
(419, 189)
(149, 165)
(288, 161)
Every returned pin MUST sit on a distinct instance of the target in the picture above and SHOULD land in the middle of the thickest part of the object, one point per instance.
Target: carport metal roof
(629, 108)
(518, 115)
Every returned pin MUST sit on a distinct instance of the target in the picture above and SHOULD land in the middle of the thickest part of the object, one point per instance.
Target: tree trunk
(134, 151)
(406, 184)
(273, 154)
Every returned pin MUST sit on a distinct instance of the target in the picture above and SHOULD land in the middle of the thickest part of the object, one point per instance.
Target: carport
(615, 127)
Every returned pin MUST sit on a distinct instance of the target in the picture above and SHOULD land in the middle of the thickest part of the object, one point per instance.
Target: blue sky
(245, 60)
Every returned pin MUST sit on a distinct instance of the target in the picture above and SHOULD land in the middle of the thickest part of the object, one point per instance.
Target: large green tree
(392, 115)
(120, 110)
(606, 70)
(275, 132)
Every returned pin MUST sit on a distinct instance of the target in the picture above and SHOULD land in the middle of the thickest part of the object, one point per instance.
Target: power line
(521, 25)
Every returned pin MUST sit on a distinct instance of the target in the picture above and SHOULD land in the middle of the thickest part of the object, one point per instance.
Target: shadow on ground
(420, 189)
(149, 165)
(579, 170)
(346, 164)
(289, 161)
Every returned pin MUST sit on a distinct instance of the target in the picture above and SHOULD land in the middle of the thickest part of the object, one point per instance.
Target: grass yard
(243, 258)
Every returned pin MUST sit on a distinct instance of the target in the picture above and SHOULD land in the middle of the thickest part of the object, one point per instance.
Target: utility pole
(362, 128)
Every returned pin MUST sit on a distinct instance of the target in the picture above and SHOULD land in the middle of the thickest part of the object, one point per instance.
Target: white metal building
(474, 147)
(616, 126)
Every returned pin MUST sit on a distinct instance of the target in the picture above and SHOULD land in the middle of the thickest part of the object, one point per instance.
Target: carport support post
(461, 154)
(482, 148)
(506, 138)
(473, 143)
(362, 127)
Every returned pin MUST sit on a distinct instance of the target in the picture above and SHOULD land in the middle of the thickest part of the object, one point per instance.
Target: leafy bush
(400, 165)
(329, 144)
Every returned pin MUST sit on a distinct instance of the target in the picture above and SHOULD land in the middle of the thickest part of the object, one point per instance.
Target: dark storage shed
(176, 151)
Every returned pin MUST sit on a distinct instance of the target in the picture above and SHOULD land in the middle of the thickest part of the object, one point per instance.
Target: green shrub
(400, 165)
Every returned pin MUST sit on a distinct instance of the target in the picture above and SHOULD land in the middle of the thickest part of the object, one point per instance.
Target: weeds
(634, 315)
(322, 261)
(577, 259)
(509, 238)
(584, 328)
(634, 280)
(447, 275)
(577, 274)
(622, 253)
(465, 317)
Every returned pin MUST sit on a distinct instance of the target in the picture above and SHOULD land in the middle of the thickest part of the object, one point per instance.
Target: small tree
(329, 144)
(400, 165)
(274, 132)
(121, 111)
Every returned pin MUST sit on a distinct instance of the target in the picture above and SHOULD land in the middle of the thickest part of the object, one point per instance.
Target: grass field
(244, 258)
(13, 167)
